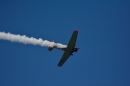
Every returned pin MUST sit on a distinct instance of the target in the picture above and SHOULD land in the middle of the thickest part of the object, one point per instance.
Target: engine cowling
(76, 49)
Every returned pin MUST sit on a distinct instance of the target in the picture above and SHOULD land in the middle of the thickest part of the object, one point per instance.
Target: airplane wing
(69, 48)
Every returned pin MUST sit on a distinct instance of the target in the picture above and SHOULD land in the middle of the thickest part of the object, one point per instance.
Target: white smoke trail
(26, 40)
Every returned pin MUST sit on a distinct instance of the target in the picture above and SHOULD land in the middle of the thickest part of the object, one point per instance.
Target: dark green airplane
(69, 49)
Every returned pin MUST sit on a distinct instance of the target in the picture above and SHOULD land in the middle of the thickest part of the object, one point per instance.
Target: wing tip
(76, 31)
(59, 66)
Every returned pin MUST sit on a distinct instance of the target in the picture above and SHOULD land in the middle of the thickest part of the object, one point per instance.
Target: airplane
(68, 51)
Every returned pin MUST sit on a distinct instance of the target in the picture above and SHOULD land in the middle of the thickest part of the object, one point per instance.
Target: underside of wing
(69, 48)
(65, 56)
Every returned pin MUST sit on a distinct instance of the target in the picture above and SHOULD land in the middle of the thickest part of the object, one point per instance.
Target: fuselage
(75, 49)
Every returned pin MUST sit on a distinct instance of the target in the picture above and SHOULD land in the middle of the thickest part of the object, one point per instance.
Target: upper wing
(69, 48)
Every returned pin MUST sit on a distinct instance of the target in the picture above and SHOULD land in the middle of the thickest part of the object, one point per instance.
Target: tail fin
(50, 48)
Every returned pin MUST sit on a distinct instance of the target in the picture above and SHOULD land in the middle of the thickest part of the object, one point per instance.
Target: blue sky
(103, 39)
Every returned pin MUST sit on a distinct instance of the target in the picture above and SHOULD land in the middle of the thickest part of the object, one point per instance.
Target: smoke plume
(26, 40)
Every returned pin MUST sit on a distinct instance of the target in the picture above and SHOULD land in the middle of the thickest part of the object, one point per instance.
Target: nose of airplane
(77, 49)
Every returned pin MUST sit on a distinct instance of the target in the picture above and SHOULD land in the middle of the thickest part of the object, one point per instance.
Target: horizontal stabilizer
(50, 47)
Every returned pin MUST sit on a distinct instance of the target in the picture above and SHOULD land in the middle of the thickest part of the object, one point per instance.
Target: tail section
(50, 47)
